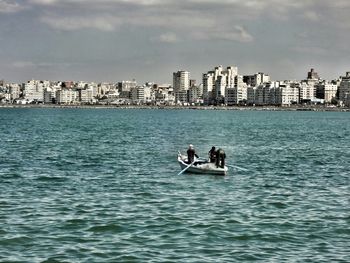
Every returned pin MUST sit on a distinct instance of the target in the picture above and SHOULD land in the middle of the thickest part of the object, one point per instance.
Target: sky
(148, 40)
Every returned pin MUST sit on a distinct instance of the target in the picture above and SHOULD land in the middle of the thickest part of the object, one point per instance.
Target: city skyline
(147, 40)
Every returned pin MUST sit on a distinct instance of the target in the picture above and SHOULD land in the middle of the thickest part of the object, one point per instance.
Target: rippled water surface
(101, 185)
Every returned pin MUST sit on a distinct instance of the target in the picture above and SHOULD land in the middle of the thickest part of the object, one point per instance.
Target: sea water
(101, 185)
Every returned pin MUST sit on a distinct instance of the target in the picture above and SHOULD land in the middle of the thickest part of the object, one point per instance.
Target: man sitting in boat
(220, 158)
(191, 153)
(212, 154)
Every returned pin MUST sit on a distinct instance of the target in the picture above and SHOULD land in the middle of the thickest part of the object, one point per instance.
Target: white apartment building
(307, 90)
(67, 96)
(216, 82)
(273, 93)
(195, 94)
(34, 90)
(326, 90)
(49, 95)
(330, 92)
(264, 94)
(236, 94)
(181, 84)
(220, 86)
(50, 92)
(256, 79)
(287, 94)
(87, 95)
(14, 91)
(148, 94)
(208, 86)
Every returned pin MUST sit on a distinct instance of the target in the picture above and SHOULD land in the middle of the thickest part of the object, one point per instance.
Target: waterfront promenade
(248, 108)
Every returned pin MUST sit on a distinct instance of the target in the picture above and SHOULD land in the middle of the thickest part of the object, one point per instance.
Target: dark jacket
(191, 153)
(220, 158)
(212, 155)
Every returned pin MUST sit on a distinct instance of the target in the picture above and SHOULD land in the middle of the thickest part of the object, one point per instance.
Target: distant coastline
(237, 108)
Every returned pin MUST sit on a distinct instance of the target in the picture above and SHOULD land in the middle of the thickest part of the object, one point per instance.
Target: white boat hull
(202, 167)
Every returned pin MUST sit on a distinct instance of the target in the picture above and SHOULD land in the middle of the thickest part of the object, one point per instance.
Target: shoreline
(237, 108)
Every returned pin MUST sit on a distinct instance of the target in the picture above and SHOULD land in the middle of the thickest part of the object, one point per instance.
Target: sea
(102, 185)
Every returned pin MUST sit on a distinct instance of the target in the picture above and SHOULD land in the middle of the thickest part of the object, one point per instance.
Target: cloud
(341, 3)
(174, 13)
(240, 34)
(23, 64)
(190, 20)
(168, 37)
(268, 29)
(43, 2)
(104, 23)
(312, 16)
(310, 50)
(236, 33)
(37, 65)
(7, 6)
(96, 4)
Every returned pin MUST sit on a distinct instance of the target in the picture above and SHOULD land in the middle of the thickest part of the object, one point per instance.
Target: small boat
(201, 166)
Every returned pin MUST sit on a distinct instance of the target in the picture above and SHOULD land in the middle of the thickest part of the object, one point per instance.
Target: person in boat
(191, 153)
(220, 158)
(212, 154)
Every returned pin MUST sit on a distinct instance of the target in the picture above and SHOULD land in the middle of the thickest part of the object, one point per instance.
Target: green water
(101, 185)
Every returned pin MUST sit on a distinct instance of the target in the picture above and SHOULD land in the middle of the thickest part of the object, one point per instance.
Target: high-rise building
(344, 89)
(236, 94)
(216, 82)
(181, 84)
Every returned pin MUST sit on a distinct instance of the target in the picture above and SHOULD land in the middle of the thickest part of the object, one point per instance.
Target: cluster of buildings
(224, 86)
(220, 86)
(83, 93)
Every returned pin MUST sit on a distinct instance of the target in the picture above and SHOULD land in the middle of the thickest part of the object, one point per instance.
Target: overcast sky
(113, 40)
